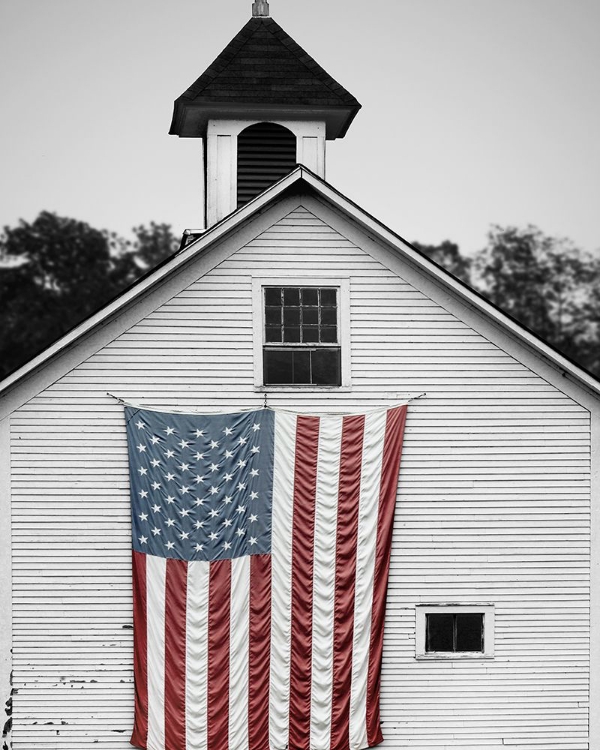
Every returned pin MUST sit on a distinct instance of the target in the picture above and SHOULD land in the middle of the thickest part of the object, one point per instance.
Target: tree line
(545, 283)
(56, 271)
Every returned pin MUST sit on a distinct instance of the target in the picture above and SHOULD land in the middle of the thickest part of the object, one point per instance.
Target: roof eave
(190, 118)
(460, 288)
(375, 228)
(148, 281)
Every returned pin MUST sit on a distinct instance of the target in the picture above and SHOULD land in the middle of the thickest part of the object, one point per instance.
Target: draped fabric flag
(261, 548)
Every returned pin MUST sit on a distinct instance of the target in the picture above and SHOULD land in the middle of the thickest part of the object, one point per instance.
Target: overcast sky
(474, 111)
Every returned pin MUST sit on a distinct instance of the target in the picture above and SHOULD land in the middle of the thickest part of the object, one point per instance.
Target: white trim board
(5, 573)
(594, 714)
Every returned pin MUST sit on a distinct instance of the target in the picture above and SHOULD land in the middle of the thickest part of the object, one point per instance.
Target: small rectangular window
(455, 631)
(301, 336)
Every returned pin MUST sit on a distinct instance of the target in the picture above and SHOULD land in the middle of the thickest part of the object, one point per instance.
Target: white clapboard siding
(494, 506)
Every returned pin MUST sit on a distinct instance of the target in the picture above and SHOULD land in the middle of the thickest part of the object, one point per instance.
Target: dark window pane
(469, 632)
(310, 334)
(329, 335)
(273, 316)
(273, 334)
(326, 368)
(310, 296)
(278, 367)
(310, 315)
(439, 636)
(272, 296)
(291, 316)
(291, 296)
(291, 335)
(301, 367)
(329, 316)
(329, 296)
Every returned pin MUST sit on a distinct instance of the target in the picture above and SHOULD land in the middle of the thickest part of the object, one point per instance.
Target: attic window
(266, 153)
(301, 336)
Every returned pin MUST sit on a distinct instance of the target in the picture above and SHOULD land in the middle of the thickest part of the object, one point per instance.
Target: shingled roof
(264, 67)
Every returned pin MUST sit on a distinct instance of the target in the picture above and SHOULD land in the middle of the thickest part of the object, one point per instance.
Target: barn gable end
(494, 504)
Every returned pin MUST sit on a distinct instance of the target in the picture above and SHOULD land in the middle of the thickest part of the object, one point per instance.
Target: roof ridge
(243, 37)
(235, 46)
(262, 66)
(308, 61)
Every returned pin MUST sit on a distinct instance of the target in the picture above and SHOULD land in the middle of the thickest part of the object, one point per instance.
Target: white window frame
(342, 284)
(488, 612)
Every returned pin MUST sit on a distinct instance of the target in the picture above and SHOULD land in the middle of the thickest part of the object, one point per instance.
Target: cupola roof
(263, 73)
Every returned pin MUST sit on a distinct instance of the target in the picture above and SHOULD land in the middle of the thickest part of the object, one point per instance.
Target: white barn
(496, 513)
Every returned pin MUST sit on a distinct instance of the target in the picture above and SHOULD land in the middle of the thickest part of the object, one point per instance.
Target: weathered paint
(494, 500)
(595, 589)
(5, 587)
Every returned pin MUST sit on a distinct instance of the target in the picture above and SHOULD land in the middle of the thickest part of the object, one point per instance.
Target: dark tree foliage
(55, 272)
(545, 283)
(153, 244)
(448, 256)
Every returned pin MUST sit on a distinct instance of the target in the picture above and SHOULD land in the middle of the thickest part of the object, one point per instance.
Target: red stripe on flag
(175, 650)
(139, 736)
(305, 483)
(259, 652)
(392, 450)
(219, 613)
(345, 577)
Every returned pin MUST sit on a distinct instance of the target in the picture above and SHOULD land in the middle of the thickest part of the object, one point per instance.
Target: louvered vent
(266, 153)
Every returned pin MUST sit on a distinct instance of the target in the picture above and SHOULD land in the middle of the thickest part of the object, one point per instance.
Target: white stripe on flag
(156, 573)
(238, 653)
(365, 570)
(328, 475)
(281, 562)
(196, 665)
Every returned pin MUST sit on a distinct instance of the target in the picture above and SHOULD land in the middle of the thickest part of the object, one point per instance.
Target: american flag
(261, 548)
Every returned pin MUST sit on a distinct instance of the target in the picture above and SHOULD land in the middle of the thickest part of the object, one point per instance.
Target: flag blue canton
(201, 485)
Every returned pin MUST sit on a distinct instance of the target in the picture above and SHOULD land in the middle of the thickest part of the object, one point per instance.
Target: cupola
(263, 106)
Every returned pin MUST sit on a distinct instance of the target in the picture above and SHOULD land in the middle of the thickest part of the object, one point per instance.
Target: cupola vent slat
(266, 153)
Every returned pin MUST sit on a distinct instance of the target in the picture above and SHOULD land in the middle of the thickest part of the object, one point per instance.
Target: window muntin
(301, 315)
(301, 336)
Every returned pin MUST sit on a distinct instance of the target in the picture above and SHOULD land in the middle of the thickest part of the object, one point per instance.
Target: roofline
(473, 297)
(258, 204)
(150, 280)
(337, 118)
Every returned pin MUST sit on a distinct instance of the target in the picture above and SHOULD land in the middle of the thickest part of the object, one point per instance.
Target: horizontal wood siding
(494, 507)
